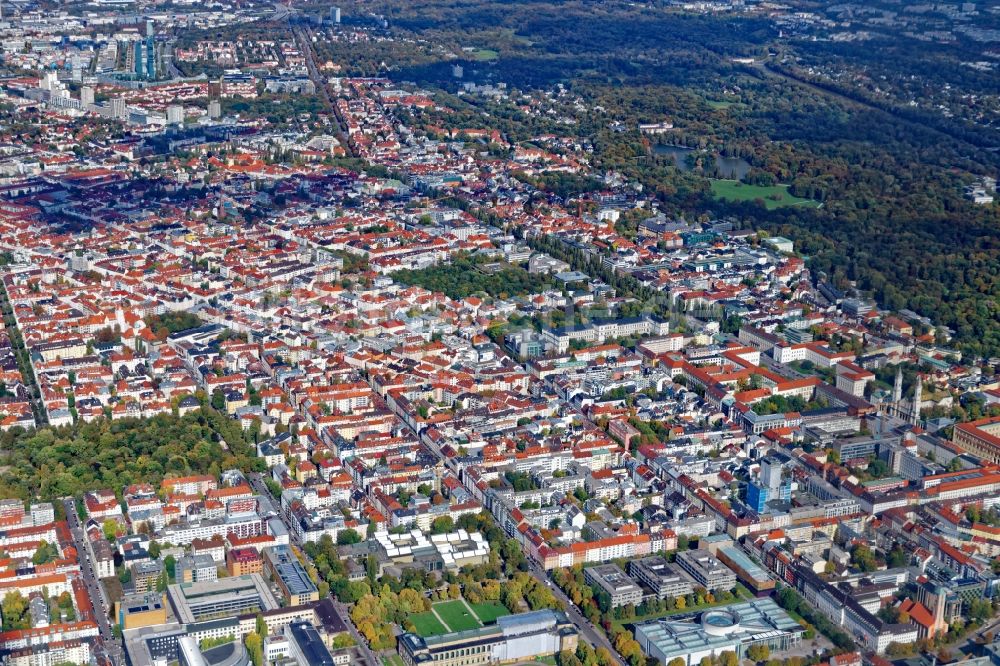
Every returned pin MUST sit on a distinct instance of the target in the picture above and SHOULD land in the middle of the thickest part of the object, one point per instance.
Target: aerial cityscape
(471, 332)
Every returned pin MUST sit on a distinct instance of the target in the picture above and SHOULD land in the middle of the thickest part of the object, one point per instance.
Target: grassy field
(775, 196)
(718, 104)
(393, 660)
(449, 616)
(427, 624)
(489, 611)
(456, 615)
(485, 54)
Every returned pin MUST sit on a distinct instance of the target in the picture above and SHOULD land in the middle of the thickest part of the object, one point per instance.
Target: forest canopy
(894, 222)
(49, 463)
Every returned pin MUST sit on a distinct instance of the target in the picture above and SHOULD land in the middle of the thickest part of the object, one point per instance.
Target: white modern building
(732, 628)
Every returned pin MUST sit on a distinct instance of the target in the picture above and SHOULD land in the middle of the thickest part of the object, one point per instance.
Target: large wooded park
(889, 176)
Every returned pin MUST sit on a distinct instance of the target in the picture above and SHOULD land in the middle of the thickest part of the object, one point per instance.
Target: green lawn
(775, 196)
(718, 104)
(393, 660)
(427, 624)
(547, 659)
(489, 611)
(485, 54)
(456, 615)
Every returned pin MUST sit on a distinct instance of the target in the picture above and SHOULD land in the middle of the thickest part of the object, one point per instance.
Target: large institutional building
(513, 638)
(732, 628)
(981, 438)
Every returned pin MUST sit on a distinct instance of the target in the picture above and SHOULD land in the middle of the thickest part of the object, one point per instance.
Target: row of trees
(525, 589)
(373, 615)
(779, 404)
(655, 606)
(17, 615)
(171, 322)
(14, 608)
(331, 571)
(585, 655)
(254, 642)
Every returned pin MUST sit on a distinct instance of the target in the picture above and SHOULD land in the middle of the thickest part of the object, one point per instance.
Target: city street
(587, 631)
(102, 611)
(303, 37)
(345, 615)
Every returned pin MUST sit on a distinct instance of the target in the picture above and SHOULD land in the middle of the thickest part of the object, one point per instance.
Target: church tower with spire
(897, 394)
(918, 399)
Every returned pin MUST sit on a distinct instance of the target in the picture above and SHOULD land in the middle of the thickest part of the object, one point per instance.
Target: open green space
(456, 615)
(774, 196)
(393, 660)
(485, 54)
(427, 624)
(449, 616)
(718, 103)
(882, 168)
(489, 611)
(467, 275)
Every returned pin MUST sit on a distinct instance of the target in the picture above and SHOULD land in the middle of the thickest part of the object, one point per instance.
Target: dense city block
(455, 333)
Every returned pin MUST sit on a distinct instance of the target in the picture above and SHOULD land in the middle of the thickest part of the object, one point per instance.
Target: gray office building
(706, 570)
(663, 579)
(196, 569)
(193, 602)
(612, 580)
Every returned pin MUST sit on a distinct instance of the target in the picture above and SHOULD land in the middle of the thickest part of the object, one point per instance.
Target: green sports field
(719, 104)
(456, 615)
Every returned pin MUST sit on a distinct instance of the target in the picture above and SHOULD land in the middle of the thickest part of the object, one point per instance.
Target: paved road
(258, 485)
(17, 340)
(282, 12)
(112, 647)
(303, 38)
(587, 631)
(969, 646)
(780, 368)
(168, 61)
